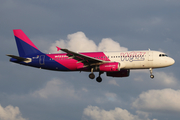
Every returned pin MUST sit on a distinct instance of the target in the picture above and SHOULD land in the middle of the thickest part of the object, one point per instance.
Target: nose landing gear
(151, 76)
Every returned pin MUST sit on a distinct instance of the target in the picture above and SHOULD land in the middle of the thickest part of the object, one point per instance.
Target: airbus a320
(115, 64)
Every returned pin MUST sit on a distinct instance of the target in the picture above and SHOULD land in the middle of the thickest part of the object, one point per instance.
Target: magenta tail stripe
(21, 35)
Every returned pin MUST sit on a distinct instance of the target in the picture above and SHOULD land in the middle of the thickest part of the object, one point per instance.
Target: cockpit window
(162, 55)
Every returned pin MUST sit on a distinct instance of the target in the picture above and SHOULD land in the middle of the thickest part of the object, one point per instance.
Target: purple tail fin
(24, 44)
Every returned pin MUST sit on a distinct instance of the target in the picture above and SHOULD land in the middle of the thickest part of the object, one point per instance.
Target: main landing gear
(92, 76)
(99, 79)
(151, 76)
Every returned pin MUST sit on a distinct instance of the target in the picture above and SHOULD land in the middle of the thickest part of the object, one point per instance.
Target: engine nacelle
(122, 73)
(109, 67)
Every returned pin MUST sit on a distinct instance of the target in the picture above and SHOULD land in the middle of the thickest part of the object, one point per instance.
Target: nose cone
(171, 61)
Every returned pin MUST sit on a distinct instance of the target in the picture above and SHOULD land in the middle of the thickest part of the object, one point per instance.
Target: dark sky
(32, 94)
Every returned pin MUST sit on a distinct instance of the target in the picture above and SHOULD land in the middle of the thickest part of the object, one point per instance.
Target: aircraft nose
(171, 61)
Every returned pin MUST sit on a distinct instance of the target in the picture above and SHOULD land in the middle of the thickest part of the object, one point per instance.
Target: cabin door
(150, 56)
(41, 59)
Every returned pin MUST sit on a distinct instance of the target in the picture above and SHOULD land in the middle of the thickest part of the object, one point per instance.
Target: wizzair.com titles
(57, 56)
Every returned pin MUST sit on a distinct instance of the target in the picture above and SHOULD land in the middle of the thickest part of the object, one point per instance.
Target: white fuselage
(140, 59)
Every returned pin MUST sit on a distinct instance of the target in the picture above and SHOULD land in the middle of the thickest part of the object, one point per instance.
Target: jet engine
(122, 73)
(108, 67)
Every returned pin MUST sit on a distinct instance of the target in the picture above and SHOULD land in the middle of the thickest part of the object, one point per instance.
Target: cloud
(113, 82)
(107, 44)
(161, 78)
(138, 78)
(165, 78)
(111, 96)
(158, 100)
(79, 42)
(107, 97)
(95, 113)
(57, 88)
(10, 113)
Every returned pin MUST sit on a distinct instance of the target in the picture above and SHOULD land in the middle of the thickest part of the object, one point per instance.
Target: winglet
(58, 48)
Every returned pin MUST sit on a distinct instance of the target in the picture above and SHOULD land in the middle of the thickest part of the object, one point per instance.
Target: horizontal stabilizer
(27, 60)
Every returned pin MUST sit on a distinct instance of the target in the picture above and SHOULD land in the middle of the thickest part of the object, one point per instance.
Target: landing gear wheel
(99, 79)
(152, 76)
(91, 76)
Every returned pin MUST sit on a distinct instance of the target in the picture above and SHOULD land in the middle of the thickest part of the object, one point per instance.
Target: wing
(86, 60)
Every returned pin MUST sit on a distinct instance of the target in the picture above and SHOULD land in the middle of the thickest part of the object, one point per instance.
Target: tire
(91, 76)
(151, 76)
(99, 79)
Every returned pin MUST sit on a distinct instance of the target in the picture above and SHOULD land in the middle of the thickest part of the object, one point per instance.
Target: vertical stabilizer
(25, 46)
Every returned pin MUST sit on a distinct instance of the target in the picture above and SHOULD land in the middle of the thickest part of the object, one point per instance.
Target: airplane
(115, 64)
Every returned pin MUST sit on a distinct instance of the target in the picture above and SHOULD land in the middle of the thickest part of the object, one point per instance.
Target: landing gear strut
(151, 76)
(99, 79)
(91, 75)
